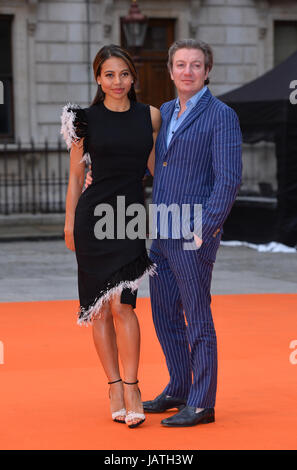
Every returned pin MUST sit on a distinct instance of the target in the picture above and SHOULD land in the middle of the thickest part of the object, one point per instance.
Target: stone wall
(67, 33)
(55, 41)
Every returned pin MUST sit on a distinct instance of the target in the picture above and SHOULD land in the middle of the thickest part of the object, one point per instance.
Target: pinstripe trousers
(180, 298)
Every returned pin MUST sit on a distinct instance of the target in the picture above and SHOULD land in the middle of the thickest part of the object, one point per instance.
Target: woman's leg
(128, 341)
(106, 346)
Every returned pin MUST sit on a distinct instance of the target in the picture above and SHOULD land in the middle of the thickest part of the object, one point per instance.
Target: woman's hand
(89, 178)
(69, 239)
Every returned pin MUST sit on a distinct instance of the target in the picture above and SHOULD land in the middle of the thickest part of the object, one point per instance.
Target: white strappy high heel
(122, 412)
(131, 415)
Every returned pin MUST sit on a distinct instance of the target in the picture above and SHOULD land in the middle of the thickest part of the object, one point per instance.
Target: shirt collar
(193, 100)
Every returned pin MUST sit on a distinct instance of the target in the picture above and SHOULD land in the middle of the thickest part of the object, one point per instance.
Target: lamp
(135, 26)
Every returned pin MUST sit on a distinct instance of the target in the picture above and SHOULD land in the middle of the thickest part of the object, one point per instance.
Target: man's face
(188, 71)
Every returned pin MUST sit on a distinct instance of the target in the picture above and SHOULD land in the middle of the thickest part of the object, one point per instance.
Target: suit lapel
(166, 120)
(200, 107)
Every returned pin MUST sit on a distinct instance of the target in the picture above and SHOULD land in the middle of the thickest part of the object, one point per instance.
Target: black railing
(33, 179)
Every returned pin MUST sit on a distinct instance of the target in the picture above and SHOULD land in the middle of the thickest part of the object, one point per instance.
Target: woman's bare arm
(75, 185)
(156, 122)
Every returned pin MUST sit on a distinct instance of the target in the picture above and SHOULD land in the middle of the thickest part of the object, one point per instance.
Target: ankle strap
(131, 383)
(114, 382)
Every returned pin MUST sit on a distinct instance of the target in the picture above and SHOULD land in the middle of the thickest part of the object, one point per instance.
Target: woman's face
(115, 78)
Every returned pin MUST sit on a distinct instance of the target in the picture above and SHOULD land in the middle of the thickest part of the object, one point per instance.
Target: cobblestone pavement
(46, 270)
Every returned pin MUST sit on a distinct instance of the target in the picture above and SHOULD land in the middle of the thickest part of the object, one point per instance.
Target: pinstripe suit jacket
(202, 164)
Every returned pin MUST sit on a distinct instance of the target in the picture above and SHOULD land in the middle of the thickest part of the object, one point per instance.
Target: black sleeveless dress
(117, 144)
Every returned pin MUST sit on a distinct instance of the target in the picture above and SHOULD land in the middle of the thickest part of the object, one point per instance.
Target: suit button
(164, 163)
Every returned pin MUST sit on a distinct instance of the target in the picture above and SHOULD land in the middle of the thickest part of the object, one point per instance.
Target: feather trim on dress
(86, 315)
(74, 128)
(67, 128)
(86, 158)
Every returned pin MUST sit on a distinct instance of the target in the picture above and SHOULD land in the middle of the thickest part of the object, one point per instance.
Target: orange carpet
(53, 393)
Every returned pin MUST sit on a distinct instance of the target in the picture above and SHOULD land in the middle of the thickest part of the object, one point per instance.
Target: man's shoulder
(221, 108)
(167, 105)
(214, 105)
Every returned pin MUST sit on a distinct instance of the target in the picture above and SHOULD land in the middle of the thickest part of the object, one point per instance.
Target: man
(198, 161)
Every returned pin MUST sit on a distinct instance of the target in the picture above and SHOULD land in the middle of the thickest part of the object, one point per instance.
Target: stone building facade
(53, 43)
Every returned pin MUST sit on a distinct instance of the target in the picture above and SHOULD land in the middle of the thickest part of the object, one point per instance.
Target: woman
(116, 135)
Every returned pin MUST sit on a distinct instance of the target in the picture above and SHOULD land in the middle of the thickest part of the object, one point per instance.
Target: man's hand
(198, 241)
(89, 178)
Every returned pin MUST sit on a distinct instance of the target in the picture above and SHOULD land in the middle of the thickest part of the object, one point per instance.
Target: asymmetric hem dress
(117, 144)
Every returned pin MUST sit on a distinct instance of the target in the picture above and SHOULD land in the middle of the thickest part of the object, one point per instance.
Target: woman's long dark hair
(105, 53)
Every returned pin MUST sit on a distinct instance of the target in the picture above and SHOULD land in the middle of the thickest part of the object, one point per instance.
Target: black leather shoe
(162, 403)
(189, 417)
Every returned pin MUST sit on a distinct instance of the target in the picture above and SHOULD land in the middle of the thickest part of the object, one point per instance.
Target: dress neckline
(118, 112)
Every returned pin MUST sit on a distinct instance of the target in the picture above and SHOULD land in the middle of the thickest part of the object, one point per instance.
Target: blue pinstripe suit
(202, 166)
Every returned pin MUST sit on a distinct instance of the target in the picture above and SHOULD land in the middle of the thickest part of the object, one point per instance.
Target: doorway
(154, 83)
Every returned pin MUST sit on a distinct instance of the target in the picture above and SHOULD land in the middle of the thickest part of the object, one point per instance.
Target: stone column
(32, 92)
(263, 10)
(194, 10)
